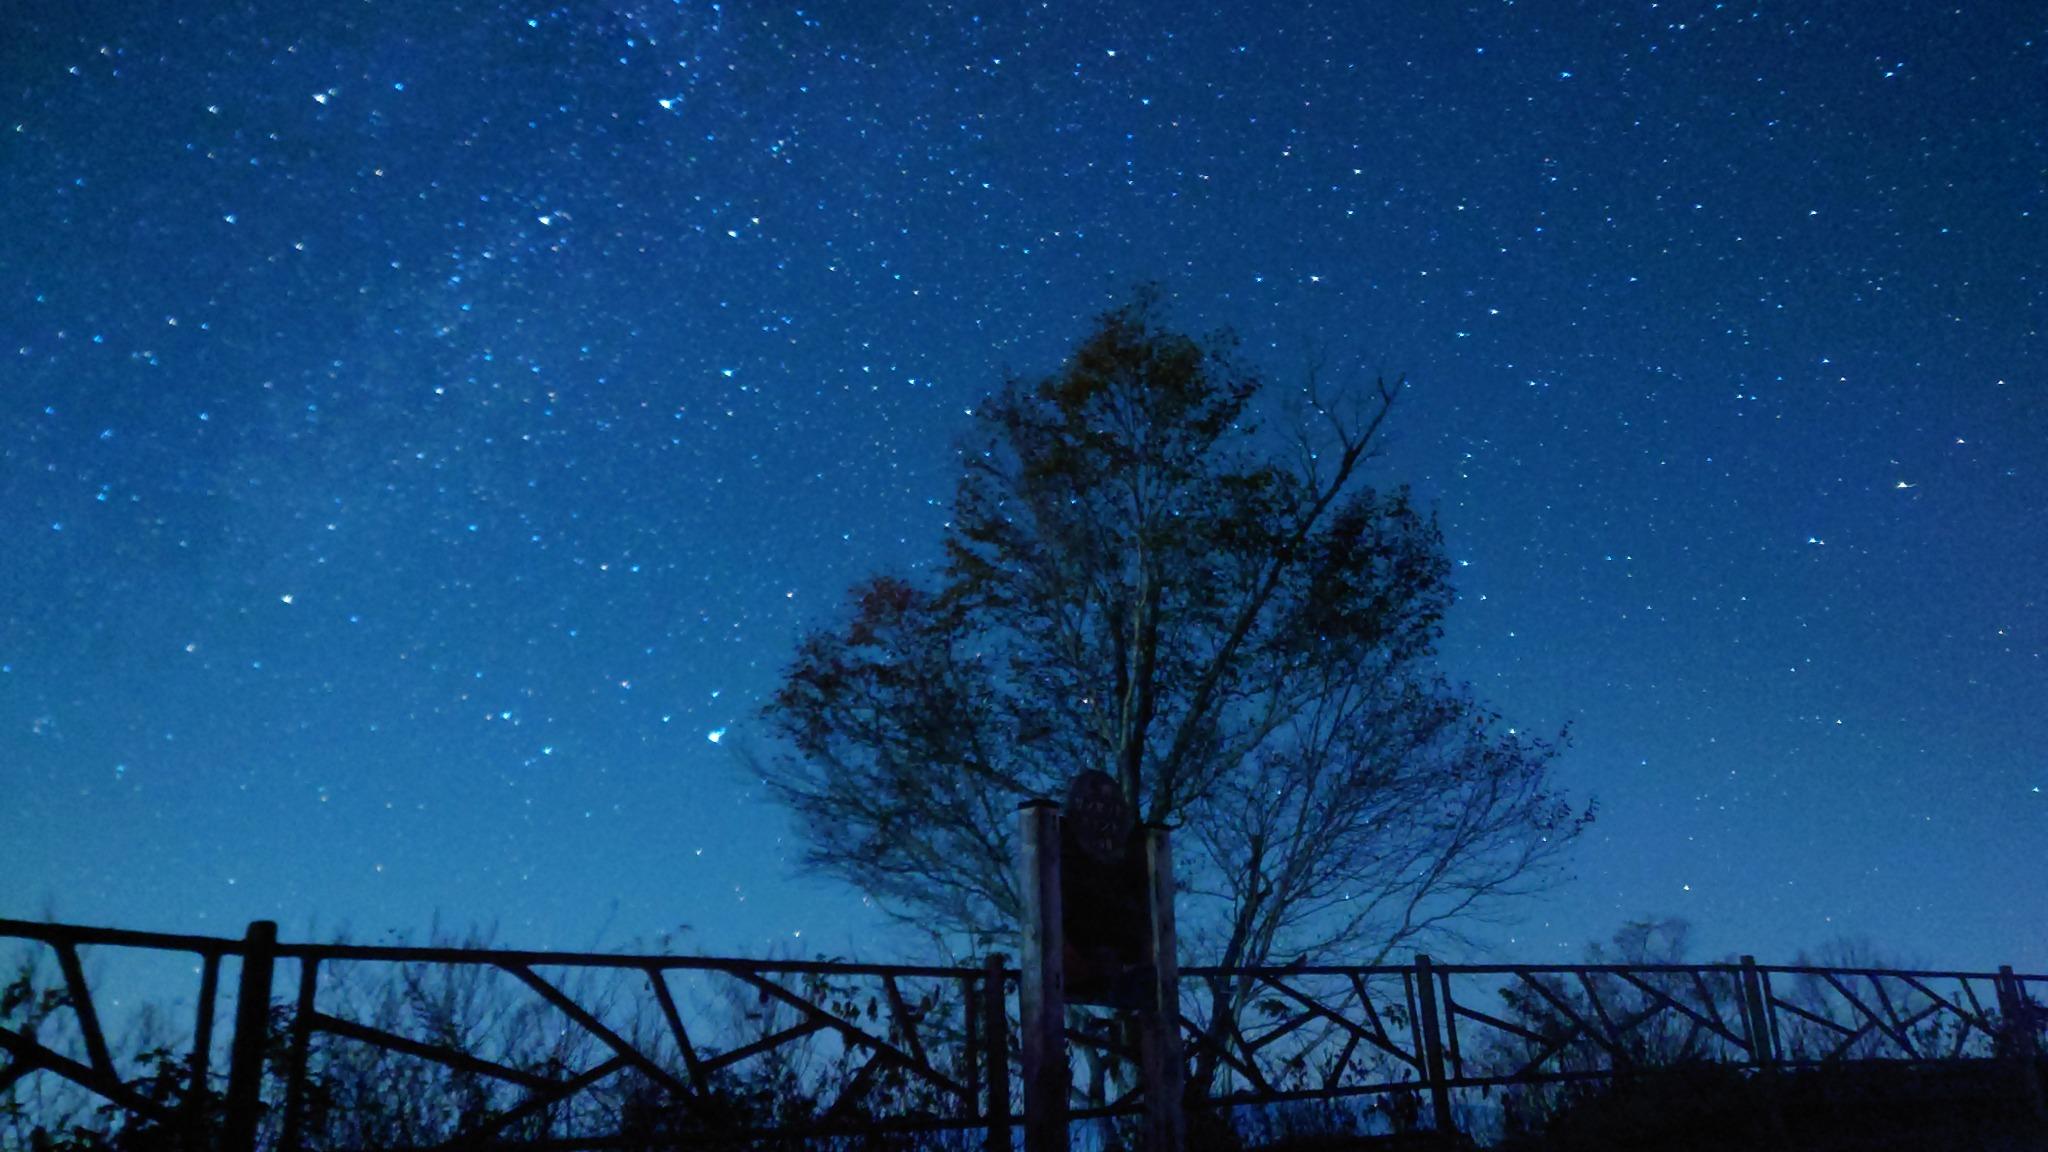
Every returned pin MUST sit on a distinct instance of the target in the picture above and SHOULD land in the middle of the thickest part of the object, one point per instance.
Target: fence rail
(439, 1047)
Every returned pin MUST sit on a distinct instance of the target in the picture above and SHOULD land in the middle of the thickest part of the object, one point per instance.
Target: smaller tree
(1141, 578)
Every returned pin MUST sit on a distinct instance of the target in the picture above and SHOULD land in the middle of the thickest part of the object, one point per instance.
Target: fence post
(1164, 1064)
(252, 1036)
(1042, 990)
(1432, 1046)
(202, 1051)
(1756, 1020)
(995, 1033)
(295, 1066)
(1756, 1015)
(2016, 1021)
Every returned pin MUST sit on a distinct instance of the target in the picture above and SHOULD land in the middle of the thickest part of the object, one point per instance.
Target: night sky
(425, 427)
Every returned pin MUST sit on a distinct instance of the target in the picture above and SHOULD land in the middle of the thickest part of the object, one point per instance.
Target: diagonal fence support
(82, 1007)
(1161, 1055)
(301, 1047)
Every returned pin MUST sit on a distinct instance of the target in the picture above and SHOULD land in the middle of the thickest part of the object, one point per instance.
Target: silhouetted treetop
(1140, 576)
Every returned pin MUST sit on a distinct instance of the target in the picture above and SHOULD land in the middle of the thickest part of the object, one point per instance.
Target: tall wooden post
(200, 1092)
(1432, 1046)
(2016, 1021)
(1763, 1046)
(1042, 991)
(996, 1041)
(301, 1046)
(1756, 1015)
(252, 1035)
(1159, 1044)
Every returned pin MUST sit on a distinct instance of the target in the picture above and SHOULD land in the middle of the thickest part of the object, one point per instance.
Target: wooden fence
(410, 1047)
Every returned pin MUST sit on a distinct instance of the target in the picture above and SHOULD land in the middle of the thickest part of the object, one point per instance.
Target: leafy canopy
(1140, 578)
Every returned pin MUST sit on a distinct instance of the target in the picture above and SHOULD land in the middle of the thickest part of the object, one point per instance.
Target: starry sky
(428, 426)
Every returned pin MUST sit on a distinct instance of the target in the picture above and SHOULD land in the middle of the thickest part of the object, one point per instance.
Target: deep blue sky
(426, 426)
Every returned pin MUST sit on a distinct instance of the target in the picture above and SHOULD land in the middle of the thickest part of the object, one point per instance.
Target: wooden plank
(971, 1044)
(1691, 1034)
(1607, 1025)
(856, 1088)
(1848, 1042)
(595, 1027)
(1285, 1028)
(1679, 1006)
(1450, 1024)
(1869, 1014)
(1892, 1014)
(82, 1007)
(1043, 993)
(1492, 1021)
(1340, 1093)
(1564, 1009)
(1527, 1072)
(1335, 1072)
(451, 1057)
(659, 982)
(1201, 1039)
(1976, 1006)
(502, 957)
(1432, 1048)
(1947, 1003)
(301, 1044)
(560, 1091)
(1763, 983)
(1376, 1036)
(29, 1055)
(202, 1032)
(1163, 1059)
(904, 1023)
(1372, 1014)
(853, 1035)
(1713, 1012)
(772, 1040)
(79, 934)
(1811, 1017)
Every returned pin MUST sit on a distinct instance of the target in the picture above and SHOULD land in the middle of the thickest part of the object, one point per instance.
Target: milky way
(427, 427)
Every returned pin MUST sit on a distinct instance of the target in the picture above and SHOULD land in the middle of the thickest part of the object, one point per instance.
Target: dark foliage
(1861, 1107)
(358, 1095)
(1141, 578)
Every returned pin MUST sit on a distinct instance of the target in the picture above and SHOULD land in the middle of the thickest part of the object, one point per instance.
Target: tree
(1140, 578)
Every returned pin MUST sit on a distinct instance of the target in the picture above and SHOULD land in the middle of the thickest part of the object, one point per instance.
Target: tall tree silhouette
(1141, 578)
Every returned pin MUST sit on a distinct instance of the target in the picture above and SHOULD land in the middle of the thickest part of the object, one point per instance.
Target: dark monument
(1105, 896)
(1098, 928)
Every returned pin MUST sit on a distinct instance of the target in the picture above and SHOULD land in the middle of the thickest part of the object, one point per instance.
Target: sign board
(1098, 928)
(1104, 896)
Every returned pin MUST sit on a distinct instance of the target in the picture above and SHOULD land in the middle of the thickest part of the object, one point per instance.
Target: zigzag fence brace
(646, 1050)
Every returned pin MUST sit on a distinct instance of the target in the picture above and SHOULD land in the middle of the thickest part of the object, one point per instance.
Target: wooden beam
(1043, 991)
(1432, 1047)
(996, 1042)
(81, 1006)
(1162, 1063)
(252, 1037)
